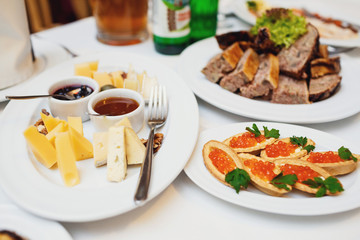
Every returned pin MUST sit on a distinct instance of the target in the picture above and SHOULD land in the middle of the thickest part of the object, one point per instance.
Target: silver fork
(157, 115)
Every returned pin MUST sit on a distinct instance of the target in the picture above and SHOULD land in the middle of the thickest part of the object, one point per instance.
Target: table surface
(183, 210)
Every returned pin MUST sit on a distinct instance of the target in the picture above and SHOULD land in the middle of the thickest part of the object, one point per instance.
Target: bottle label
(171, 18)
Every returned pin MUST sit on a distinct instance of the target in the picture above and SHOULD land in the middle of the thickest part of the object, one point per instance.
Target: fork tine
(159, 115)
(165, 104)
(151, 102)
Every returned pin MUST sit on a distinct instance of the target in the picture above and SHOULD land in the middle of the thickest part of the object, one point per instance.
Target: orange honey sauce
(222, 161)
(302, 172)
(324, 157)
(246, 140)
(280, 148)
(261, 169)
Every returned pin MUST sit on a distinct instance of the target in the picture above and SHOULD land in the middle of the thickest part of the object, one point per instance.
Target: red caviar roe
(246, 140)
(302, 172)
(262, 169)
(280, 148)
(222, 161)
(326, 157)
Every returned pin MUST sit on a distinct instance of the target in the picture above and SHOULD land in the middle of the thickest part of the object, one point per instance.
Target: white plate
(29, 226)
(239, 8)
(42, 192)
(294, 203)
(47, 54)
(344, 103)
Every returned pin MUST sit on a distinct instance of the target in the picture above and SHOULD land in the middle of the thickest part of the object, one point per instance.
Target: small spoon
(68, 96)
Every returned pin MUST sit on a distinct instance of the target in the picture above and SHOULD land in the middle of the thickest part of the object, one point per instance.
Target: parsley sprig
(238, 178)
(302, 141)
(344, 153)
(281, 181)
(330, 183)
(274, 133)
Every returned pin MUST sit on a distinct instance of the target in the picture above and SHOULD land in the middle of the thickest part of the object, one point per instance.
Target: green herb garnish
(302, 141)
(274, 133)
(281, 181)
(332, 184)
(238, 178)
(284, 26)
(255, 130)
(309, 148)
(344, 153)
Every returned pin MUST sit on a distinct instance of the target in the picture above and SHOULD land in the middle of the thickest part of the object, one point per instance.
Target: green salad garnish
(285, 27)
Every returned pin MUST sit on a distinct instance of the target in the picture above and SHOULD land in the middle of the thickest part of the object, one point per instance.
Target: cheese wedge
(123, 122)
(117, 79)
(93, 65)
(83, 69)
(83, 148)
(50, 122)
(102, 78)
(135, 149)
(66, 159)
(61, 127)
(100, 143)
(43, 150)
(116, 156)
(76, 123)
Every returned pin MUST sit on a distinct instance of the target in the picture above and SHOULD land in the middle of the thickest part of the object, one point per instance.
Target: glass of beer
(121, 22)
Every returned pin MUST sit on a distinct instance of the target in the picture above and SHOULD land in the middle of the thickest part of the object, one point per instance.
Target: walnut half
(158, 137)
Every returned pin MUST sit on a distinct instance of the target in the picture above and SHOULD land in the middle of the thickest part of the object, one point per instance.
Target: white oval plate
(29, 226)
(294, 203)
(344, 103)
(332, 9)
(42, 192)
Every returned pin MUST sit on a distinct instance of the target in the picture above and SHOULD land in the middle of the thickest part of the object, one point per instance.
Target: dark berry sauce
(81, 93)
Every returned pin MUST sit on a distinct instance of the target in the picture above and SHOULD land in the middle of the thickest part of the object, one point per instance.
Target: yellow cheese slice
(102, 78)
(131, 83)
(66, 159)
(123, 122)
(100, 144)
(83, 148)
(117, 79)
(141, 77)
(61, 127)
(83, 69)
(76, 123)
(43, 150)
(50, 122)
(116, 156)
(93, 65)
(135, 149)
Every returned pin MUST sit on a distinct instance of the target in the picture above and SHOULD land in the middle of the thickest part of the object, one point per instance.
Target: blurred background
(44, 14)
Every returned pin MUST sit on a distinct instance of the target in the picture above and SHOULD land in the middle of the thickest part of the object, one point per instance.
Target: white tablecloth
(183, 210)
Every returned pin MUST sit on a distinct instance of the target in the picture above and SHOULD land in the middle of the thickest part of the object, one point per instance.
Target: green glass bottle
(171, 25)
(203, 19)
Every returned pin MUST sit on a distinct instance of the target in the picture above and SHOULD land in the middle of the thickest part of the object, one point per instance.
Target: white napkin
(16, 63)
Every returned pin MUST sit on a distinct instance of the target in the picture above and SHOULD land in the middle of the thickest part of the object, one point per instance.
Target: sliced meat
(265, 80)
(227, 39)
(263, 44)
(222, 63)
(294, 60)
(290, 91)
(324, 66)
(323, 87)
(244, 72)
(323, 51)
(232, 55)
